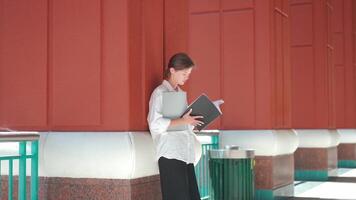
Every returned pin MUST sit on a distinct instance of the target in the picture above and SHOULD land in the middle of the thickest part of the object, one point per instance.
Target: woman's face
(180, 76)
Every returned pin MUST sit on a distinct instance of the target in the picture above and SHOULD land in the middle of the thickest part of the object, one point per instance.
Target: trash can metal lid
(231, 153)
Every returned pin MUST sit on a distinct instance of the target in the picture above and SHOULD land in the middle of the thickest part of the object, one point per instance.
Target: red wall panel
(303, 90)
(303, 68)
(262, 65)
(23, 63)
(204, 5)
(338, 41)
(330, 66)
(302, 25)
(175, 27)
(115, 65)
(321, 80)
(148, 72)
(337, 17)
(135, 65)
(75, 62)
(280, 66)
(339, 77)
(239, 71)
(339, 73)
(311, 76)
(343, 82)
(350, 89)
(142, 64)
(153, 48)
(332, 104)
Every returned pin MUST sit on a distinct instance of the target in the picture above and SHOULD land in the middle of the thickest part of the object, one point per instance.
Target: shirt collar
(169, 86)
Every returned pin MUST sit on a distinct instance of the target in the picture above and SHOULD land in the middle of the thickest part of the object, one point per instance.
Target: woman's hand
(192, 120)
(187, 119)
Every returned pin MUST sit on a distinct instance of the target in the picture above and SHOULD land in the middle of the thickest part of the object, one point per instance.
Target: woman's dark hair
(178, 61)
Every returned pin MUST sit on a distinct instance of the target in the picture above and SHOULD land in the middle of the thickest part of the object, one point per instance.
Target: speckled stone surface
(315, 158)
(146, 188)
(346, 152)
(274, 171)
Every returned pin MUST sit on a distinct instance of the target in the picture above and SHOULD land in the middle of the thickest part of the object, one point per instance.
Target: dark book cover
(203, 106)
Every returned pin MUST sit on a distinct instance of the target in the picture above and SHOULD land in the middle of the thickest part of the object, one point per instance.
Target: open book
(174, 106)
(202, 106)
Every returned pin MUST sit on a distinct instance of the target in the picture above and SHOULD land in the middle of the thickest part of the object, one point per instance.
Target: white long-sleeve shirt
(178, 145)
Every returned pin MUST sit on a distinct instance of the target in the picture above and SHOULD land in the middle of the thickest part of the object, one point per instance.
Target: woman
(175, 149)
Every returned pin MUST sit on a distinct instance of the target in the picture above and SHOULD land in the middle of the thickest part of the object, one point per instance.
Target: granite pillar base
(346, 155)
(315, 164)
(274, 176)
(54, 188)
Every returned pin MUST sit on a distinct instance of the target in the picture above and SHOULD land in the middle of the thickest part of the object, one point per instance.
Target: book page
(217, 104)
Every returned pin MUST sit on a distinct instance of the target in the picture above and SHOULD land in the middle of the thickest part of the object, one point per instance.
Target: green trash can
(232, 174)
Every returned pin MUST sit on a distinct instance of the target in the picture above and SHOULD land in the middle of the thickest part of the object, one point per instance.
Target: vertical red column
(263, 48)
(302, 64)
(175, 27)
(350, 89)
(115, 65)
(145, 57)
(311, 58)
(330, 65)
(239, 64)
(75, 63)
(23, 64)
(343, 69)
(338, 26)
(280, 68)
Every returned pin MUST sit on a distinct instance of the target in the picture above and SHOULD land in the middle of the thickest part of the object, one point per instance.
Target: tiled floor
(331, 190)
(341, 187)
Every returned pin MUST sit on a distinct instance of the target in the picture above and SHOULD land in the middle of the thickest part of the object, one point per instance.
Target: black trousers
(178, 181)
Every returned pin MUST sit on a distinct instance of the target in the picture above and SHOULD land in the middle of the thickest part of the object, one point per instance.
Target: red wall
(323, 84)
(92, 64)
(343, 69)
(311, 51)
(79, 65)
(242, 53)
(23, 63)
